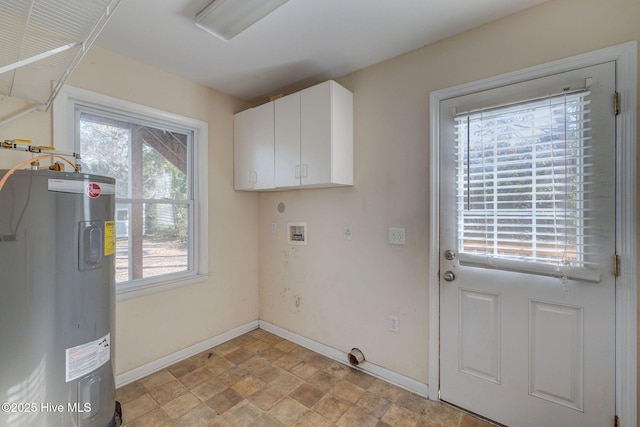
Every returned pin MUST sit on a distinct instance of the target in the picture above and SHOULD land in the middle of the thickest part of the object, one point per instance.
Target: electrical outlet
(347, 235)
(274, 227)
(393, 323)
(396, 236)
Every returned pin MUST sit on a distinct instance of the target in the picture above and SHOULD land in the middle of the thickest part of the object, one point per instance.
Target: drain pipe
(356, 357)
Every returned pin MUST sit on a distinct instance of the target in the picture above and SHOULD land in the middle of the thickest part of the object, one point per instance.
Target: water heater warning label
(109, 238)
(85, 358)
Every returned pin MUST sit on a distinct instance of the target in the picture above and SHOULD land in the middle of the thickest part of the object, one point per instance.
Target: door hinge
(616, 421)
(616, 103)
(616, 265)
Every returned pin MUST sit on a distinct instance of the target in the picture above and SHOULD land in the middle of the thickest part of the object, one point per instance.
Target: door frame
(625, 56)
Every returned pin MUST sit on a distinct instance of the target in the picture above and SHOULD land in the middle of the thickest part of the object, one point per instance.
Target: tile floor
(260, 379)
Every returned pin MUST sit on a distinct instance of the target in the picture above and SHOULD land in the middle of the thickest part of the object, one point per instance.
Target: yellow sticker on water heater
(109, 238)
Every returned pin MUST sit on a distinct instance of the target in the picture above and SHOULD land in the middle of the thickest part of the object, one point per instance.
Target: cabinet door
(287, 141)
(315, 131)
(254, 148)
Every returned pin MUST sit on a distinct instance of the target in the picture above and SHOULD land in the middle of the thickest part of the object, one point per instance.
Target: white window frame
(64, 139)
(625, 56)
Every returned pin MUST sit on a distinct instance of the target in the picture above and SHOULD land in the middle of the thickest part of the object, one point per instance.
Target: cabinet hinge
(616, 421)
(616, 265)
(616, 103)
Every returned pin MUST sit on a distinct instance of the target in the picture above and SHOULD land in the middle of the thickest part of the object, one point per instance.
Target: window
(158, 160)
(524, 171)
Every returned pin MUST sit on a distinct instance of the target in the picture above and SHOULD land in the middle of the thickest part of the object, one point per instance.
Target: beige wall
(158, 325)
(337, 292)
(347, 289)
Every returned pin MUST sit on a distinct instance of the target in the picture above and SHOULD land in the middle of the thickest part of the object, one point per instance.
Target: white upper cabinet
(287, 146)
(313, 140)
(254, 148)
(326, 136)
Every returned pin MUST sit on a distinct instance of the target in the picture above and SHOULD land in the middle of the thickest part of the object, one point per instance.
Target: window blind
(524, 175)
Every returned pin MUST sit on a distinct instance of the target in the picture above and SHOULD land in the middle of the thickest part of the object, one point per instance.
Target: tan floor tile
(266, 420)
(360, 379)
(319, 361)
(268, 373)
(356, 417)
(232, 376)
(469, 421)
(260, 379)
(331, 407)
(226, 348)
(208, 389)
(304, 370)
(306, 394)
(130, 392)
(257, 346)
(180, 405)
(286, 346)
(183, 367)
(413, 402)
(270, 354)
(138, 407)
(271, 338)
(243, 414)
(168, 392)
(260, 334)
(338, 370)
(203, 357)
(224, 401)
(311, 419)
(287, 362)
(386, 390)
(201, 415)
(266, 398)
(239, 356)
(157, 418)
(399, 416)
(302, 353)
(323, 381)
(286, 382)
(195, 378)
(437, 414)
(287, 411)
(248, 385)
(218, 366)
(157, 379)
(347, 391)
(373, 404)
(255, 364)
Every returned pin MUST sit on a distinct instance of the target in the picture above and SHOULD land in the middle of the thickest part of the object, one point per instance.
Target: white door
(527, 216)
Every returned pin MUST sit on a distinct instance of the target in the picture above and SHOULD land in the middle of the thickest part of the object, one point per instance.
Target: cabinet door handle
(304, 171)
(297, 171)
(253, 177)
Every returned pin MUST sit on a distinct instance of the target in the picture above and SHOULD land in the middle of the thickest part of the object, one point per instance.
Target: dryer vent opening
(356, 357)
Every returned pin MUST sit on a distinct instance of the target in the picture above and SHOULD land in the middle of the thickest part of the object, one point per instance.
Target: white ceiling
(302, 42)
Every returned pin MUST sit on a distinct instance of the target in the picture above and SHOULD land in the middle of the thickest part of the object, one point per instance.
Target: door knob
(449, 254)
(449, 276)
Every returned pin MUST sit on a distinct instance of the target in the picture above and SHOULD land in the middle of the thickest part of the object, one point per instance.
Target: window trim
(64, 137)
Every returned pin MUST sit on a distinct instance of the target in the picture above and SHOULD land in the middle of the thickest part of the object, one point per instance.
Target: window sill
(152, 288)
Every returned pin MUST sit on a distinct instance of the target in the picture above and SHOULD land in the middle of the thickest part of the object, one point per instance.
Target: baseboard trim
(155, 366)
(384, 374)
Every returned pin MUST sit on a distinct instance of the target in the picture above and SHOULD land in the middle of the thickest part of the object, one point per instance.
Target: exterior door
(527, 249)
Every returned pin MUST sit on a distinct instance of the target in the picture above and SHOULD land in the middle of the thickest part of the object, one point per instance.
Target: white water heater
(57, 249)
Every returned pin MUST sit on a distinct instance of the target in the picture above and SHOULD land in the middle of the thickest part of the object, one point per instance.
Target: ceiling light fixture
(226, 19)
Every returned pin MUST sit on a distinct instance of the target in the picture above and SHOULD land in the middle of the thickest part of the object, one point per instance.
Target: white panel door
(527, 216)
